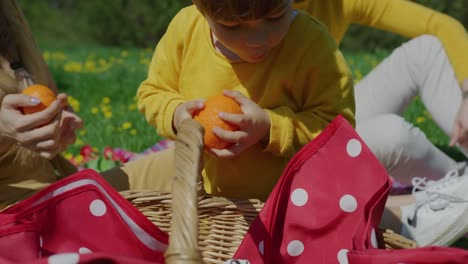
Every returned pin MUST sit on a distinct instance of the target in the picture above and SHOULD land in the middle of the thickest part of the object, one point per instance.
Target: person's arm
(411, 20)
(158, 95)
(326, 90)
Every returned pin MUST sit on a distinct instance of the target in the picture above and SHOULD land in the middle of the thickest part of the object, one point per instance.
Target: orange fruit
(208, 118)
(43, 93)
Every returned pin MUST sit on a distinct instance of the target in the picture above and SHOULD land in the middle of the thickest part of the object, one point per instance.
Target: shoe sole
(457, 230)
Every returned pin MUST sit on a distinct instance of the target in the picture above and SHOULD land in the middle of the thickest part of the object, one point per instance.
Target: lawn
(102, 83)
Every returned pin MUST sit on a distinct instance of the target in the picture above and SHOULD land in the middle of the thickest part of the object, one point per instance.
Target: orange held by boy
(41, 92)
(209, 118)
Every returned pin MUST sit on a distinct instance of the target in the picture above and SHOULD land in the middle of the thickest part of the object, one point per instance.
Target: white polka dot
(354, 148)
(98, 208)
(343, 256)
(348, 203)
(374, 239)
(84, 250)
(299, 197)
(295, 248)
(261, 247)
(66, 258)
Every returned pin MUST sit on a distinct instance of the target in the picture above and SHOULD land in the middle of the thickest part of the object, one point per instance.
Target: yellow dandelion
(420, 120)
(357, 75)
(132, 107)
(145, 61)
(106, 100)
(124, 53)
(126, 125)
(105, 108)
(90, 66)
(59, 56)
(82, 132)
(46, 55)
(79, 158)
(74, 103)
(107, 115)
(94, 110)
(73, 66)
(68, 156)
(133, 132)
(79, 142)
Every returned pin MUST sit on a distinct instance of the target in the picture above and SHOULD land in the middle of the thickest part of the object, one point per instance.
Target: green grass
(92, 75)
(104, 81)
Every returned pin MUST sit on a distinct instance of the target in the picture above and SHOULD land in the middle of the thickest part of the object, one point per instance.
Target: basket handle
(183, 239)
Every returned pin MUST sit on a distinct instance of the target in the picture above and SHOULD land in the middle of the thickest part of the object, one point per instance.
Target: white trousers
(419, 67)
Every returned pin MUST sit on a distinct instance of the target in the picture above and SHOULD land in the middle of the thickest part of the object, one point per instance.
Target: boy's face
(252, 40)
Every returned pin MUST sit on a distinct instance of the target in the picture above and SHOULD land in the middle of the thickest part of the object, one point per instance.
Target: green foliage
(123, 23)
(129, 23)
(141, 23)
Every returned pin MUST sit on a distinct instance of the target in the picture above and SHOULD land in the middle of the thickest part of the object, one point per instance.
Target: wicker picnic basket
(215, 235)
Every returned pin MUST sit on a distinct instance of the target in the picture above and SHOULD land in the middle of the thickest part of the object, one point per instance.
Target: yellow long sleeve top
(398, 16)
(303, 84)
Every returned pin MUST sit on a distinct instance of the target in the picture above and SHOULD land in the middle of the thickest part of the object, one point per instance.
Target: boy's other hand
(254, 125)
(186, 110)
(460, 128)
(69, 124)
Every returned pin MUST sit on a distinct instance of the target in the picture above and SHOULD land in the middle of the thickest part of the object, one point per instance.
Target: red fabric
(82, 215)
(424, 255)
(328, 202)
(324, 209)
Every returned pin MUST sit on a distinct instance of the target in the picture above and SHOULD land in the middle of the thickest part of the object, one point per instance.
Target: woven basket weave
(216, 234)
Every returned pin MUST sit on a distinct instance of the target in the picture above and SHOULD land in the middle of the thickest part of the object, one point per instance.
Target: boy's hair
(239, 10)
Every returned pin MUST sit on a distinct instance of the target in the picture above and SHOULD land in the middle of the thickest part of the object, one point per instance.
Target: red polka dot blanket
(325, 208)
(79, 219)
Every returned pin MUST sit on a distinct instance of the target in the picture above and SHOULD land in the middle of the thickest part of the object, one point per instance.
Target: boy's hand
(460, 128)
(254, 125)
(39, 132)
(186, 110)
(69, 124)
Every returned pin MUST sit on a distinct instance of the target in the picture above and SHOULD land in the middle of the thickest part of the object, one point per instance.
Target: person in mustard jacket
(433, 65)
(29, 153)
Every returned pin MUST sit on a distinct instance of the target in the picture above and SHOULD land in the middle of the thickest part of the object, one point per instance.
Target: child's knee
(390, 136)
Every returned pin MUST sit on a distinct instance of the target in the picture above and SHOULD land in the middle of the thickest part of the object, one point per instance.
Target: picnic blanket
(325, 208)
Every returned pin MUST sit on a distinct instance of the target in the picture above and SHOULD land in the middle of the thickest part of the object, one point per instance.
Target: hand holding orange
(41, 92)
(209, 118)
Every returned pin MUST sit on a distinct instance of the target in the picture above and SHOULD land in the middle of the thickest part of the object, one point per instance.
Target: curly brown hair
(239, 10)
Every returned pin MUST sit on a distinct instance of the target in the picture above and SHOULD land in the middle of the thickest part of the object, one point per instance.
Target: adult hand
(254, 126)
(186, 110)
(70, 122)
(460, 128)
(39, 132)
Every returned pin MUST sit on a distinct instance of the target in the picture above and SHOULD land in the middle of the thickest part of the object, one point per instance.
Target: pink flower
(87, 152)
(109, 153)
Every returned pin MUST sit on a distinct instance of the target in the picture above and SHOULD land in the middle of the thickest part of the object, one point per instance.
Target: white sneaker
(454, 183)
(439, 217)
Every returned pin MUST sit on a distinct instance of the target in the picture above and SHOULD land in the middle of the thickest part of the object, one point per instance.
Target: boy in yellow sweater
(279, 64)
(434, 66)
